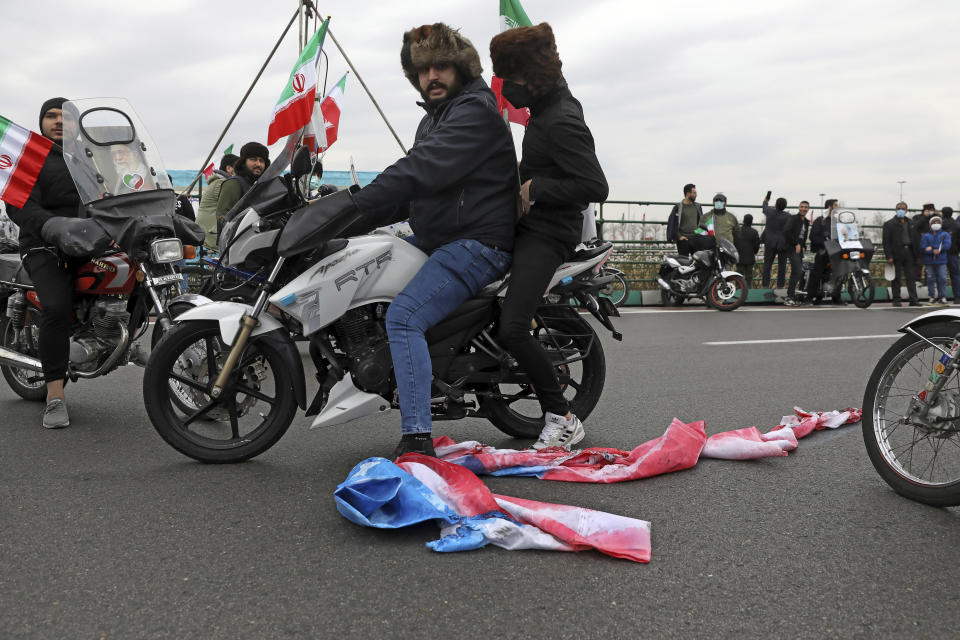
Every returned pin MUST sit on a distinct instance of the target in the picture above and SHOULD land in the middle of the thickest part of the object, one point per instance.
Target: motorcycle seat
(684, 260)
(592, 252)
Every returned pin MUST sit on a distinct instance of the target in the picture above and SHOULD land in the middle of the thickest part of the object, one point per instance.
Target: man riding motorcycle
(53, 202)
(458, 188)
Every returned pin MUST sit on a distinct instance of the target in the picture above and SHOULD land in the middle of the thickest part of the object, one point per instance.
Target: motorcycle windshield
(108, 150)
(848, 231)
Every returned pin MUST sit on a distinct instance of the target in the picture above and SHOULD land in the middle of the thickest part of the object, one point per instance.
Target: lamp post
(900, 182)
(821, 200)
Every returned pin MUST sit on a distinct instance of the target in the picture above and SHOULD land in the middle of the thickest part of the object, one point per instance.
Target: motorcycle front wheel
(517, 413)
(727, 294)
(860, 289)
(918, 458)
(250, 416)
(29, 385)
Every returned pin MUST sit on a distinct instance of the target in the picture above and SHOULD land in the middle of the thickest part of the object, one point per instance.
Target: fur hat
(530, 53)
(438, 44)
(253, 150)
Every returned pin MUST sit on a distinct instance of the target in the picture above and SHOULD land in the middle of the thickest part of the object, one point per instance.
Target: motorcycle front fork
(927, 397)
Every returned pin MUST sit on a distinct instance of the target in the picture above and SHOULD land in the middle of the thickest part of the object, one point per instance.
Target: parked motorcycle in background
(115, 292)
(706, 274)
(848, 269)
(911, 411)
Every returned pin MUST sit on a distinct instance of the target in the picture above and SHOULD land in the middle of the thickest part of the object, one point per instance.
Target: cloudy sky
(842, 97)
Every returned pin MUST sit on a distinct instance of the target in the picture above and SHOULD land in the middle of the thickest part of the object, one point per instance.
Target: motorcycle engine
(362, 336)
(100, 334)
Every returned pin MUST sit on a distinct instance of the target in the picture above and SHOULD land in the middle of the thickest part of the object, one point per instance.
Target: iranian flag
(706, 230)
(321, 133)
(511, 15)
(208, 172)
(22, 153)
(295, 106)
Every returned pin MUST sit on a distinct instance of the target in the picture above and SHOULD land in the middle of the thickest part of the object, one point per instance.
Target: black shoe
(839, 302)
(415, 443)
(897, 303)
(914, 303)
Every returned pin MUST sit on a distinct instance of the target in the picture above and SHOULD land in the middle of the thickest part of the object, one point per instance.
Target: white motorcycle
(224, 384)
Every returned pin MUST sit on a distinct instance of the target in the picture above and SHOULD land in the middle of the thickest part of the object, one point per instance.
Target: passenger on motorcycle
(458, 187)
(54, 199)
(560, 175)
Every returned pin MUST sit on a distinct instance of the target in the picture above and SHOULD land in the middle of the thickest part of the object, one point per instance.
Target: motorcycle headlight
(166, 250)
(854, 255)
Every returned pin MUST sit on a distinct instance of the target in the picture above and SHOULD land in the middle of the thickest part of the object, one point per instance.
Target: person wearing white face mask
(725, 224)
(935, 243)
(901, 246)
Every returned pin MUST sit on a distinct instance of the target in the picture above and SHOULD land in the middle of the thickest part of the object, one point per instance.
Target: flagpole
(242, 101)
(362, 83)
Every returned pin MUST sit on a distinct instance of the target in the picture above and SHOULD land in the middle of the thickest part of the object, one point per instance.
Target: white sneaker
(559, 432)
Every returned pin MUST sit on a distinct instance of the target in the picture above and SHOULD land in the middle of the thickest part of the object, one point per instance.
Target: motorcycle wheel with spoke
(517, 413)
(29, 385)
(860, 289)
(250, 416)
(618, 290)
(918, 457)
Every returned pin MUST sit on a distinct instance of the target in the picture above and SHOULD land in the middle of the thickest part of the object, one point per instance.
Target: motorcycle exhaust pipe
(663, 284)
(13, 359)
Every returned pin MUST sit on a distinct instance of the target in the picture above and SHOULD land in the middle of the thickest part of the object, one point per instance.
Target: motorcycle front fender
(950, 315)
(727, 274)
(228, 315)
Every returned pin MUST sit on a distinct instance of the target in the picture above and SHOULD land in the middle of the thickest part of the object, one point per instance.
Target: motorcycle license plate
(160, 280)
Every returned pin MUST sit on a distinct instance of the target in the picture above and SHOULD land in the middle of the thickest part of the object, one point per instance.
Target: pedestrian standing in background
(748, 244)
(774, 243)
(922, 223)
(725, 224)
(952, 227)
(795, 233)
(820, 231)
(207, 209)
(935, 244)
(683, 221)
(901, 245)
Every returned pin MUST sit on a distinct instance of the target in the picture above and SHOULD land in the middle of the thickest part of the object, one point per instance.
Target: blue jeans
(937, 277)
(953, 266)
(452, 274)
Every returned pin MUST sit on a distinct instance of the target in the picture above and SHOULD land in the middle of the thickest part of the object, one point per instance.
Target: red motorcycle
(114, 293)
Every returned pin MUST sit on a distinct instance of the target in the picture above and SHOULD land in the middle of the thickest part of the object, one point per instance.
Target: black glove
(327, 189)
(77, 237)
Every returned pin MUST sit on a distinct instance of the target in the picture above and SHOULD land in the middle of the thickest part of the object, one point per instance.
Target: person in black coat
(795, 234)
(952, 227)
(821, 231)
(560, 174)
(54, 196)
(774, 244)
(901, 246)
(748, 244)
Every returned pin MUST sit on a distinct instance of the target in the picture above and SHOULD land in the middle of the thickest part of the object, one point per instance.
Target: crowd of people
(928, 243)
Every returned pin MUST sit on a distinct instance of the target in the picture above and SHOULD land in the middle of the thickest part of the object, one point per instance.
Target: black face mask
(518, 95)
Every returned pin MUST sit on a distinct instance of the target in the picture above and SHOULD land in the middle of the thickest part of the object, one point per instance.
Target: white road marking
(818, 339)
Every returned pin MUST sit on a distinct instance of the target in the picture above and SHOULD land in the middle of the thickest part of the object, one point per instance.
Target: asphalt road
(106, 532)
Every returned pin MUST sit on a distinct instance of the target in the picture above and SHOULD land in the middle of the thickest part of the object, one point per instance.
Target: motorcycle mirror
(301, 164)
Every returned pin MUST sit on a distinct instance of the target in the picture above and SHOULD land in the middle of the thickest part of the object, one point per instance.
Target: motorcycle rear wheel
(727, 294)
(19, 379)
(581, 382)
(919, 461)
(861, 290)
(251, 415)
(618, 290)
